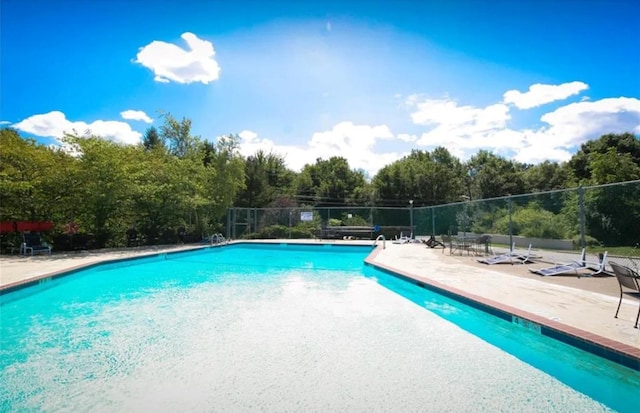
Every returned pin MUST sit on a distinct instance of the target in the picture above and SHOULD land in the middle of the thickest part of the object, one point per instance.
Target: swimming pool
(280, 328)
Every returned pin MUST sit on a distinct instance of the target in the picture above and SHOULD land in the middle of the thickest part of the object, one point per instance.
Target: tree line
(174, 180)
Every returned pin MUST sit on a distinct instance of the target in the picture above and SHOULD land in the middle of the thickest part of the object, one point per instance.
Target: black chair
(33, 244)
(627, 279)
(483, 245)
(132, 237)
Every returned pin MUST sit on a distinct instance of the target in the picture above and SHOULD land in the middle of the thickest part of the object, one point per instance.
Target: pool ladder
(384, 241)
(218, 239)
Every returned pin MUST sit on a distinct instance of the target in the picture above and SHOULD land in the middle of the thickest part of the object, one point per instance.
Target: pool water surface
(280, 328)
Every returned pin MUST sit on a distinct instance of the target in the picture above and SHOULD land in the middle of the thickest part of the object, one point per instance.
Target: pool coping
(38, 279)
(609, 349)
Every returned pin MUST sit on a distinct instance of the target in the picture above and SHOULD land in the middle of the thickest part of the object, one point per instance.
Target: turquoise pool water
(280, 328)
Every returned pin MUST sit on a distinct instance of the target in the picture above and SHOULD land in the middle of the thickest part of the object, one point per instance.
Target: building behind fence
(604, 215)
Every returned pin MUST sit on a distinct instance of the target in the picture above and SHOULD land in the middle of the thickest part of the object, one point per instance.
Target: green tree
(329, 182)
(33, 183)
(266, 178)
(427, 178)
(103, 186)
(151, 139)
(177, 134)
(491, 176)
(580, 163)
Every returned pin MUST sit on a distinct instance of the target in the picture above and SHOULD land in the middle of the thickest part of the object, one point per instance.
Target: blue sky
(370, 81)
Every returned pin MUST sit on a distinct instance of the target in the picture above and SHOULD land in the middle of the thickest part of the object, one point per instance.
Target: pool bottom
(284, 342)
(611, 350)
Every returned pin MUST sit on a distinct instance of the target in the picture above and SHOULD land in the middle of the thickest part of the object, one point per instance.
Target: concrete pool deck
(583, 307)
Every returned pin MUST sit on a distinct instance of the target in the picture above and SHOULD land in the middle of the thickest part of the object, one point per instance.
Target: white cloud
(463, 130)
(572, 125)
(55, 124)
(405, 137)
(172, 63)
(4, 122)
(577, 122)
(353, 142)
(136, 115)
(447, 113)
(540, 94)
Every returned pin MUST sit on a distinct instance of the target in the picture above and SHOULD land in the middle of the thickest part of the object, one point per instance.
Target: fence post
(411, 217)
(233, 223)
(583, 241)
(255, 220)
(433, 221)
(290, 214)
(510, 225)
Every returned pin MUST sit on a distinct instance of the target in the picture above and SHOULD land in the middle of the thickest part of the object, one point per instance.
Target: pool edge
(35, 280)
(609, 349)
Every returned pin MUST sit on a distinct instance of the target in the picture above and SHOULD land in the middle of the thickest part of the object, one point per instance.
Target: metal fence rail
(603, 215)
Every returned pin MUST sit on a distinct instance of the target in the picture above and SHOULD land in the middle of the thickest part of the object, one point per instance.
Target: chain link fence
(604, 216)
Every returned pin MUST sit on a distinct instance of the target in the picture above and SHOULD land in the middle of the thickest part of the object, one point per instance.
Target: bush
(535, 223)
(281, 231)
(589, 240)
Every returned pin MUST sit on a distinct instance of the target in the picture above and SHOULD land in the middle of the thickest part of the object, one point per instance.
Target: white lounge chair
(403, 239)
(575, 267)
(509, 257)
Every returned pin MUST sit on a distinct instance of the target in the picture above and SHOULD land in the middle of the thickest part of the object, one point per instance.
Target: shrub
(281, 231)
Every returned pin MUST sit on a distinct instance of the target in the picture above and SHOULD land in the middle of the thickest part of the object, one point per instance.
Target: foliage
(491, 176)
(107, 188)
(580, 164)
(282, 231)
(533, 222)
(329, 182)
(151, 140)
(175, 179)
(265, 179)
(426, 178)
(354, 220)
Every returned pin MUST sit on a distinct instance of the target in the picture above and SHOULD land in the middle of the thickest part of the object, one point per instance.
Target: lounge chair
(576, 267)
(627, 279)
(432, 242)
(403, 239)
(509, 257)
(33, 244)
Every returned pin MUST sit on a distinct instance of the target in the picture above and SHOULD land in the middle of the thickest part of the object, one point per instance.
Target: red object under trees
(23, 226)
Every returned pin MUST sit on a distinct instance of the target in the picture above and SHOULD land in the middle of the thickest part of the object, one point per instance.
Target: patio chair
(461, 244)
(576, 267)
(432, 242)
(132, 237)
(483, 245)
(509, 257)
(403, 239)
(627, 279)
(33, 244)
